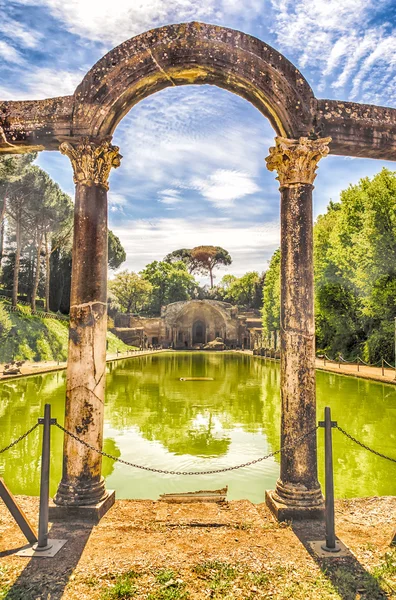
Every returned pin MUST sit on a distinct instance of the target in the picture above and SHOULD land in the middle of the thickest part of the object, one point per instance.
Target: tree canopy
(207, 258)
(355, 272)
(171, 283)
(131, 291)
(36, 219)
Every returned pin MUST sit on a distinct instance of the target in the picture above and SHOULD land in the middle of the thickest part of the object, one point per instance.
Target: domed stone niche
(196, 322)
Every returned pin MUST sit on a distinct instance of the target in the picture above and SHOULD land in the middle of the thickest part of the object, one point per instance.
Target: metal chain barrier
(349, 436)
(21, 437)
(212, 472)
(391, 366)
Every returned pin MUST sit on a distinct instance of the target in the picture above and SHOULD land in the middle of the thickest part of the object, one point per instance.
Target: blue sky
(194, 170)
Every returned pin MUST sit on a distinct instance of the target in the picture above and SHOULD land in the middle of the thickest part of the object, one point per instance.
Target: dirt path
(374, 373)
(34, 368)
(155, 551)
(364, 372)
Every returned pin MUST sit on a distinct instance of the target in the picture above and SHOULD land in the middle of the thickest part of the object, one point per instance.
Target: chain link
(21, 437)
(212, 472)
(348, 435)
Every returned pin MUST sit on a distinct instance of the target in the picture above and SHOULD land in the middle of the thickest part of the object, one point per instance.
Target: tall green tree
(355, 272)
(116, 252)
(207, 258)
(242, 290)
(12, 168)
(271, 296)
(131, 291)
(171, 283)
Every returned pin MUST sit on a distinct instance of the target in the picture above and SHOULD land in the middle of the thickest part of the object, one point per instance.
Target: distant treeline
(355, 273)
(36, 233)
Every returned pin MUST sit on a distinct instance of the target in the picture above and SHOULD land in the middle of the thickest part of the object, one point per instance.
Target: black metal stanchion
(42, 543)
(331, 545)
(44, 546)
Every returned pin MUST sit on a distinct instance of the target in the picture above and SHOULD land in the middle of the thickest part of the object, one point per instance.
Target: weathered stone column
(82, 482)
(297, 492)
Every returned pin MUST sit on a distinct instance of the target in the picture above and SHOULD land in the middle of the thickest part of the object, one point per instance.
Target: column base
(283, 511)
(91, 513)
(80, 494)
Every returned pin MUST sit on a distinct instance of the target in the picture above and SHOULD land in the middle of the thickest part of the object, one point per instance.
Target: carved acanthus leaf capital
(91, 161)
(296, 161)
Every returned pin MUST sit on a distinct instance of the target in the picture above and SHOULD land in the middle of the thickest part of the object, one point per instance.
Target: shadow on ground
(44, 578)
(349, 578)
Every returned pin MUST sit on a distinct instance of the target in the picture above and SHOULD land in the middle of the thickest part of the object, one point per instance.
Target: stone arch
(214, 317)
(192, 53)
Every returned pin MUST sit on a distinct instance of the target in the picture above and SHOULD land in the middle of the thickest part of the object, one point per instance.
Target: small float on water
(196, 379)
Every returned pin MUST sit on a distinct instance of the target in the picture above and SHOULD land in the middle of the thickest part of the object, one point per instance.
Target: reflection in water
(153, 418)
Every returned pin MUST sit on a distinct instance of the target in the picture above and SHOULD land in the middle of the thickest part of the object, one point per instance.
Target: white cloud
(101, 20)
(223, 187)
(340, 39)
(117, 202)
(169, 196)
(38, 83)
(16, 31)
(181, 134)
(9, 54)
(250, 245)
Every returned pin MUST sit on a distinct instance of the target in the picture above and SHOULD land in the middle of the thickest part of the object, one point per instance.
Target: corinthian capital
(296, 160)
(91, 161)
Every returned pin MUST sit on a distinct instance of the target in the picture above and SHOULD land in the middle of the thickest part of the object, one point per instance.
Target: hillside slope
(28, 337)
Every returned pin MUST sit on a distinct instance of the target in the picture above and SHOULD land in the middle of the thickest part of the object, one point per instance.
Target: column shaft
(298, 481)
(297, 491)
(82, 482)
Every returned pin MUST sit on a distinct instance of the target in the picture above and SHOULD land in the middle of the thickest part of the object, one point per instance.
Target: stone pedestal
(87, 513)
(290, 512)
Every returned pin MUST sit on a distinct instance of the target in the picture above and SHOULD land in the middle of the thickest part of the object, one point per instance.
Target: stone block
(91, 513)
(289, 512)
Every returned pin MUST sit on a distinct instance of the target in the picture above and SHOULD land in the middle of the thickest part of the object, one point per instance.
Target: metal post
(331, 544)
(42, 543)
(395, 347)
(382, 366)
(339, 362)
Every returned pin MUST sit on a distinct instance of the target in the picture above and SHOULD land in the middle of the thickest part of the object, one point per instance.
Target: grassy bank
(31, 337)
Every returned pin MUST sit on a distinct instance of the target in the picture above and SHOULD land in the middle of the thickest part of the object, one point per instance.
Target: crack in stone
(84, 387)
(100, 379)
(88, 304)
(169, 78)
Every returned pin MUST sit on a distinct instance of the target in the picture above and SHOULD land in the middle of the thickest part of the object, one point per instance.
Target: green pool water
(154, 419)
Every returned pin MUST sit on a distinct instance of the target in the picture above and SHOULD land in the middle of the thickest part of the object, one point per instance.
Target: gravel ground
(153, 550)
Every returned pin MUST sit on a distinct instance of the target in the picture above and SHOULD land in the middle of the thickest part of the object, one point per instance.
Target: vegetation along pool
(154, 419)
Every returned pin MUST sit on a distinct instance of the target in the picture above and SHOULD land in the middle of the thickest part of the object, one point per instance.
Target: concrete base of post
(91, 513)
(340, 551)
(49, 551)
(290, 512)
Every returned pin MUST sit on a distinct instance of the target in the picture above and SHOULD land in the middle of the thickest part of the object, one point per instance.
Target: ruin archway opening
(199, 332)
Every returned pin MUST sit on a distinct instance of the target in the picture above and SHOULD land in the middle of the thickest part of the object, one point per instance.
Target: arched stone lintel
(193, 53)
(197, 53)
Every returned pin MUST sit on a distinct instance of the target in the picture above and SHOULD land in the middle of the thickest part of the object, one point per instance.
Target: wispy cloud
(38, 83)
(17, 32)
(223, 187)
(180, 135)
(169, 196)
(248, 244)
(9, 54)
(99, 19)
(341, 40)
